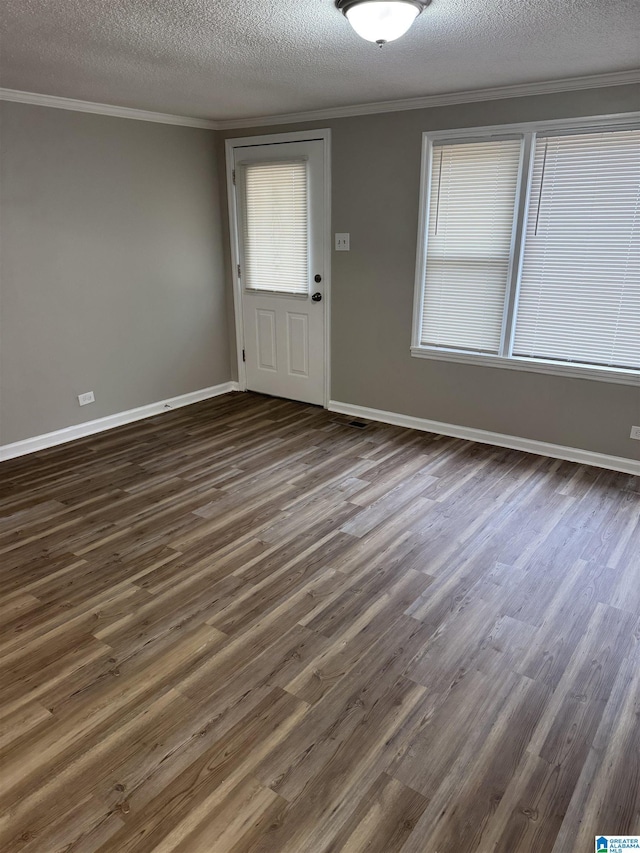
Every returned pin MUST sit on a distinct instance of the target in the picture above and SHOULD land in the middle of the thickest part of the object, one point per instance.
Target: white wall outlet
(85, 399)
(635, 432)
(342, 242)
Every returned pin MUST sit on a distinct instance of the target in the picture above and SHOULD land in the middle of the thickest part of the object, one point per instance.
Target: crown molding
(103, 109)
(569, 84)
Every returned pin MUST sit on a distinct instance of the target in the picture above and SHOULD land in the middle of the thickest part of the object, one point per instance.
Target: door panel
(298, 344)
(280, 202)
(266, 340)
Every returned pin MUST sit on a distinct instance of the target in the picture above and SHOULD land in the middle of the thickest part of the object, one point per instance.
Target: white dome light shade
(382, 21)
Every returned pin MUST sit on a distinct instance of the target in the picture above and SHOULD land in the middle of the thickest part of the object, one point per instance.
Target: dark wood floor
(246, 627)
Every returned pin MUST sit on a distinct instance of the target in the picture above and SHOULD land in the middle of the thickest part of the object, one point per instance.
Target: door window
(275, 226)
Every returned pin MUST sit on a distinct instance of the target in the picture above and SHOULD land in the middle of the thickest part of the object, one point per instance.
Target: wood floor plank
(187, 801)
(606, 799)
(382, 821)
(245, 626)
(463, 804)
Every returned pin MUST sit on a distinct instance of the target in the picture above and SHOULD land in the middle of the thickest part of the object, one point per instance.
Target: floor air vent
(356, 423)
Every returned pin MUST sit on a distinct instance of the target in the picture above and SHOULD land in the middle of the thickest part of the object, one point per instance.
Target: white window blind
(580, 286)
(276, 226)
(471, 217)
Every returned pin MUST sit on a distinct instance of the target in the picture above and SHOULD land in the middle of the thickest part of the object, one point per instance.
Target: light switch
(342, 242)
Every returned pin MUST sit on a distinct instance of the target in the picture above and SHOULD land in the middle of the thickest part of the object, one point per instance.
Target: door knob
(317, 297)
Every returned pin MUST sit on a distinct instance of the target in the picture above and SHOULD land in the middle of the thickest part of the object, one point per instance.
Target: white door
(280, 204)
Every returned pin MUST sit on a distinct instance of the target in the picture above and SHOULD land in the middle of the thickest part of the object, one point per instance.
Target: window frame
(529, 132)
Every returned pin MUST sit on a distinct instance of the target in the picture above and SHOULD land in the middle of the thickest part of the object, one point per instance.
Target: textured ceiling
(230, 59)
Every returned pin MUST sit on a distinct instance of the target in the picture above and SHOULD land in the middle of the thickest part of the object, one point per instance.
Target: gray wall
(112, 276)
(376, 173)
(115, 275)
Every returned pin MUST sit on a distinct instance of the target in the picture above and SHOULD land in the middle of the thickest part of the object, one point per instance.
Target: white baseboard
(513, 442)
(541, 448)
(62, 436)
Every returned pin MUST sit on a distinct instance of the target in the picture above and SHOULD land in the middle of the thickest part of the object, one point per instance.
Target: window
(531, 255)
(580, 285)
(473, 193)
(275, 223)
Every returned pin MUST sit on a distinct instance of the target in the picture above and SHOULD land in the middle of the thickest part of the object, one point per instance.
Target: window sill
(531, 365)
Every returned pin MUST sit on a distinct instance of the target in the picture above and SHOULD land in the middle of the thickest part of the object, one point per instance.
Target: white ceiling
(229, 59)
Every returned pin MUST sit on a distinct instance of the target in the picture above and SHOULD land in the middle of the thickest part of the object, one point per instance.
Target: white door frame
(274, 138)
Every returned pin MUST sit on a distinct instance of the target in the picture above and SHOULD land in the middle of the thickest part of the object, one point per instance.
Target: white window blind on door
(471, 220)
(276, 226)
(580, 286)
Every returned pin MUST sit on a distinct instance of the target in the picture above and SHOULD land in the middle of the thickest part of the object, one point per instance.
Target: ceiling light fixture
(381, 20)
